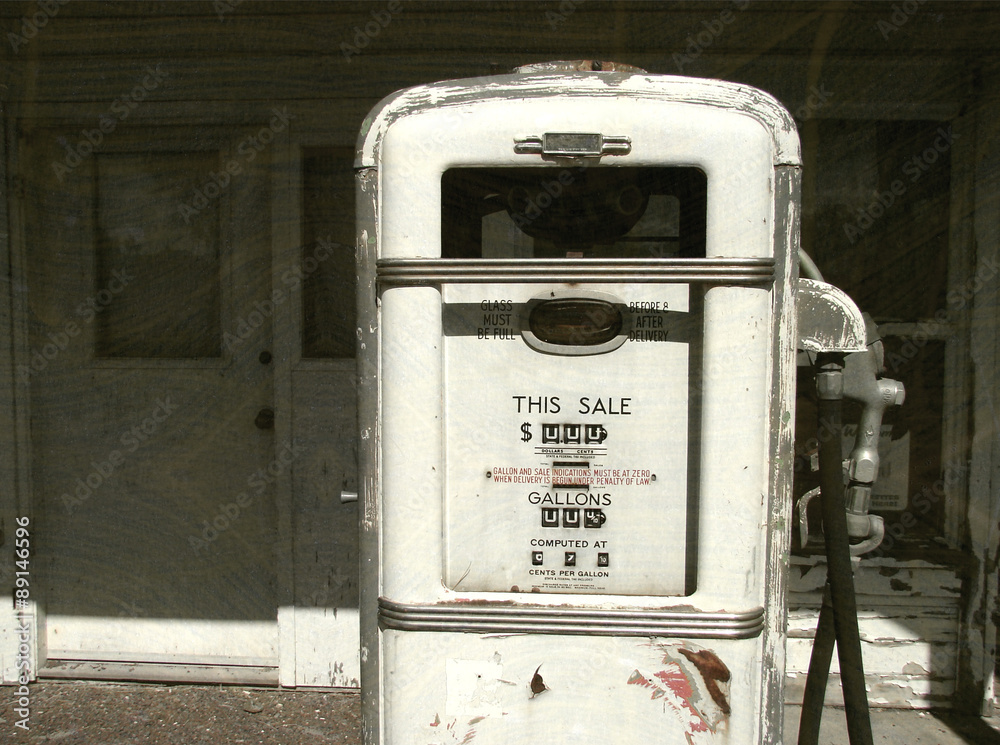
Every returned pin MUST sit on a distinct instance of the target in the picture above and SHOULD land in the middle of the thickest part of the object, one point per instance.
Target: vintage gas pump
(577, 343)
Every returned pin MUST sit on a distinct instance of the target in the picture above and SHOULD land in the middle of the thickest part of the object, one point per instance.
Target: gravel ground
(901, 727)
(89, 713)
(72, 713)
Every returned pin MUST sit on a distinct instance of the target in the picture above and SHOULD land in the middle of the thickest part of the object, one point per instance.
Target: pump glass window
(574, 212)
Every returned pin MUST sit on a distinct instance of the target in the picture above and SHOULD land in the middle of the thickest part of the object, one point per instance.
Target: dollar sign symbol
(525, 432)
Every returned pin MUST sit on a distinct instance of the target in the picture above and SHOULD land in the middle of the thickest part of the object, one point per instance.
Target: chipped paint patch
(473, 688)
(453, 732)
(693, 685)
(674, 688)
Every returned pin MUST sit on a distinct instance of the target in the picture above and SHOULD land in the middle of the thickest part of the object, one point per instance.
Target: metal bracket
(828, 319)
(573, 145)
(872, 540)
(801, 507)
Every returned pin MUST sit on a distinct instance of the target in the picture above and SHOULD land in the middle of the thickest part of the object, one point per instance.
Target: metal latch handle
(573, 145)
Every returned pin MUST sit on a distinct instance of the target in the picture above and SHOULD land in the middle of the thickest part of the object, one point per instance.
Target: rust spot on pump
(713, 671)
(537, 684)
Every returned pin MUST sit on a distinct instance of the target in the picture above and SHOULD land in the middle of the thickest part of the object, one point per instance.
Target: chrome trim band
(485, 619)
(411, 272)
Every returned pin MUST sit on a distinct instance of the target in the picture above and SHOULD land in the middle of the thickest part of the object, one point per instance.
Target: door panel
(155, 456)
(325, 425)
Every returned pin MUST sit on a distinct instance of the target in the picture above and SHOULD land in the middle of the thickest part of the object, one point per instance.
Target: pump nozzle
(862, 384)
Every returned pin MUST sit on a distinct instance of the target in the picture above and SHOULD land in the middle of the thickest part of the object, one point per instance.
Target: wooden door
(154, 448)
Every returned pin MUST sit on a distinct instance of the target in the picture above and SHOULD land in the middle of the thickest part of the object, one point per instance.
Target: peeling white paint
(909, 619)
(593, 85)
(473, 688)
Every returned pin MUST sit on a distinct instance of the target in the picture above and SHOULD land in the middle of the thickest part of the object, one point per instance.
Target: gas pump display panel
(571, 409)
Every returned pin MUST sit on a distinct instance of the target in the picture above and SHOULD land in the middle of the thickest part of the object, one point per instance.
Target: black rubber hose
(819, 673)
(840, 575)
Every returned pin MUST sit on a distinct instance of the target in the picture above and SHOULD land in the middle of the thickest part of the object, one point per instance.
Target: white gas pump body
(578, 543)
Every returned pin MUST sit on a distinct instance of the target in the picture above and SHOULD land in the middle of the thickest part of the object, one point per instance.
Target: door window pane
(156, 292)
(327, 260)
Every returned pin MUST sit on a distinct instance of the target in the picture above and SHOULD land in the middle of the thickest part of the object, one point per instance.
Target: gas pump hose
(838, 616)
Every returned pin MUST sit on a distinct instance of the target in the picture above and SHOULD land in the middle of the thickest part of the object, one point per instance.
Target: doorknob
(264, 419)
